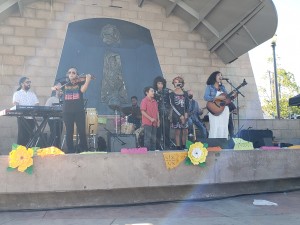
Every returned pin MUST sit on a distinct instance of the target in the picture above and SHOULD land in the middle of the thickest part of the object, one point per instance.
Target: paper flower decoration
(20, 157)
(49, 151)
(197, 153)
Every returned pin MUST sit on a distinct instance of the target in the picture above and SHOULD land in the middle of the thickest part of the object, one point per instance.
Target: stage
(115, 179)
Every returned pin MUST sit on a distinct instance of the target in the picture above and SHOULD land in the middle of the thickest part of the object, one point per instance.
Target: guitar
(217, 107)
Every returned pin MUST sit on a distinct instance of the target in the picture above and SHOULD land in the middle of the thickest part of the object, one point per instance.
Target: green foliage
(29, 170)
(10, 169)
(287, 88)
(188, 161)
(202, 164)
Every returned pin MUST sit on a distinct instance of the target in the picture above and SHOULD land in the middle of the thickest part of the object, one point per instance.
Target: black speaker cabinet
(214, 142)
(118, 141)
(257, 137)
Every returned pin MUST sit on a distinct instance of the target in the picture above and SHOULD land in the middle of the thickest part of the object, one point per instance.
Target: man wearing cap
(23, 96)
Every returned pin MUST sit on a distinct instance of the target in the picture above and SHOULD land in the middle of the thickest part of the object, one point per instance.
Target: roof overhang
(231, 27)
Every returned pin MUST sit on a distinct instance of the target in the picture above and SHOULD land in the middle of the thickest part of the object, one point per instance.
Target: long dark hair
(212, 78)
(159, 79)
(21, 81)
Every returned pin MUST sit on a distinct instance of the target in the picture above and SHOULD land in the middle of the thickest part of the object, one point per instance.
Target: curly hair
(212, 78)
(180, 79)
(159, 79)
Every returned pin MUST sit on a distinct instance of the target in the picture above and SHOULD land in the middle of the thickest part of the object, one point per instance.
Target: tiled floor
(230, 211)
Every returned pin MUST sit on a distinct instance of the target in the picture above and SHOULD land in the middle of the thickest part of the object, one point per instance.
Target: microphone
(225, 79)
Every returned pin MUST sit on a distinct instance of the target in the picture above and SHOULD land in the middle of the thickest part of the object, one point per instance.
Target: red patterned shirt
(151, 108)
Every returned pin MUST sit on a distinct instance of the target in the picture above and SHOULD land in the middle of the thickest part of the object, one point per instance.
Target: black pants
(150, 137)
(79, 119)
(163, 131)
(25, 130)
(230, 126)
(56, 126)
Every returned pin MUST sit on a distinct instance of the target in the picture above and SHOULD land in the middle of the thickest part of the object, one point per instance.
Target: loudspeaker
(214, 142)
(257, 137)
(118, 141)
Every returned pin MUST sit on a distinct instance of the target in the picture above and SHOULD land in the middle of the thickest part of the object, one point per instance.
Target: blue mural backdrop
(121, 56)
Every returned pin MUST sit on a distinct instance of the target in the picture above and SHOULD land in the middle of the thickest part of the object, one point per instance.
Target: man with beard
(23, 96)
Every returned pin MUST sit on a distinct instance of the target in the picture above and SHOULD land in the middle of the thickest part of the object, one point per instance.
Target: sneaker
(191, 135)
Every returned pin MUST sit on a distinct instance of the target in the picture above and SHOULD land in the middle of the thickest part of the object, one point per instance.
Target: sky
(287, 44)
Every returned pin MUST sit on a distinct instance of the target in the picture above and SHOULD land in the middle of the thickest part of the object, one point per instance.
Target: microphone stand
(163, 131)
(237, 100)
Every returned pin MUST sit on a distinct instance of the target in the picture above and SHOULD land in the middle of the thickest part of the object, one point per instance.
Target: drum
(127, 128)
(140, 136)
(91, 121)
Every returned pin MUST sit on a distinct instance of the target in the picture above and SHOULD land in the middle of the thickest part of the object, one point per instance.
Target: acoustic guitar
(217, 107)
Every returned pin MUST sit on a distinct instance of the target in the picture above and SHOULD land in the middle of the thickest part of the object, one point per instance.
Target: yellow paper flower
(21, 158)
(197, 153)
(49, 151)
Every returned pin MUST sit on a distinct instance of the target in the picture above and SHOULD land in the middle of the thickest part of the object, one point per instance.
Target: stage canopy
(231, 27)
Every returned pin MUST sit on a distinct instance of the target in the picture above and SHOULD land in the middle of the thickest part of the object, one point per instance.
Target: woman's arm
(209, 94)
(85, 86)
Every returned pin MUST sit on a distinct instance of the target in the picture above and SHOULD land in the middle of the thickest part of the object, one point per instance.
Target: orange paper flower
(21, 158)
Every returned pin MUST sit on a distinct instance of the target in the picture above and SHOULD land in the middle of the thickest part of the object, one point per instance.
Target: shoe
(191, 135)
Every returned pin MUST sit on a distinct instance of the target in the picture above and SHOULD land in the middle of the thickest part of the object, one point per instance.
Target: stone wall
(115, 178)
(31, 45)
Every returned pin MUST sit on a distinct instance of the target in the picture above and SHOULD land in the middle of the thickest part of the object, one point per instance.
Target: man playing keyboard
(24, 96)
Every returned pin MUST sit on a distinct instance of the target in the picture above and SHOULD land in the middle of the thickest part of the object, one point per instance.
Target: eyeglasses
(27, 82)
(73, 72)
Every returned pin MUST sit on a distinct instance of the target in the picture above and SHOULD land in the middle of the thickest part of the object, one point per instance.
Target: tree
(287, 88)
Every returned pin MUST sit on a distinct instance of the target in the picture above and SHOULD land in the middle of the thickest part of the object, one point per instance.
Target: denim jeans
(150, 137)
(194, 120)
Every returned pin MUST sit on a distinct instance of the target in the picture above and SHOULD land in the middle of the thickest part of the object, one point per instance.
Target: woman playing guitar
(216, 97)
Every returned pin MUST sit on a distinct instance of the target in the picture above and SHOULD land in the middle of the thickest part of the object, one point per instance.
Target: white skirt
(218, 125)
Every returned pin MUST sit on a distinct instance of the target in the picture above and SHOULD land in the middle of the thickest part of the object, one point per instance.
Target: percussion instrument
(91, 121)
(127, 128)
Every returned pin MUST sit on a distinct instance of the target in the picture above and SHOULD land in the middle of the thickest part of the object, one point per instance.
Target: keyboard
(38, 111)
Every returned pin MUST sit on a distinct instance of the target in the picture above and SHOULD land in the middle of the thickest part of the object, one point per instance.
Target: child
(150, 118)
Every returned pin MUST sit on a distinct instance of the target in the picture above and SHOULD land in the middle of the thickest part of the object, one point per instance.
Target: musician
(55, 124)
(194, 116)
(24, 96)
(180, 106)
(136, 115)
(150, 118)
(164, 107)
(213, 91)
(73, 107)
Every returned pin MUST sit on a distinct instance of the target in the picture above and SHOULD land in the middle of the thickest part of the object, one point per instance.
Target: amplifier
(257, 137)
(214, 142)
(118, 141)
